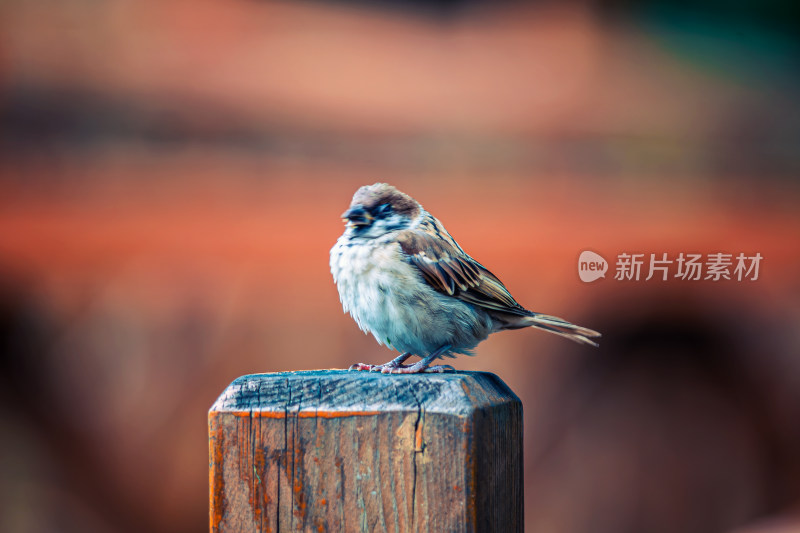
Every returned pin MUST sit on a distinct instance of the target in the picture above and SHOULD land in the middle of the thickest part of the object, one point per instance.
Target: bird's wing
(449, 270)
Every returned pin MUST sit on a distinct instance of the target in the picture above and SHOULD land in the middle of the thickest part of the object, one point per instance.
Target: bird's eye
(383, 210)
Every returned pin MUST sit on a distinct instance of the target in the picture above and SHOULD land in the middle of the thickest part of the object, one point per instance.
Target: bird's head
(379, 209)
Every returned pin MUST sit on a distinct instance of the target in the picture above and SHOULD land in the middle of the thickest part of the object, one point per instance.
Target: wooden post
(334, 451)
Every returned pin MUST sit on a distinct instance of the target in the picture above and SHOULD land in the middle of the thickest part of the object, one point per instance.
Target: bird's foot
(388, 368)
(417, 368)
(396, 366)
(385, 368)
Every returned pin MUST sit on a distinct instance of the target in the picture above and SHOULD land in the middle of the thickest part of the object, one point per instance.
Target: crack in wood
(416, 449)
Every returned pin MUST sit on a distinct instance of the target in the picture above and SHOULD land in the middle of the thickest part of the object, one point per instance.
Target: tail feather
(561, 327)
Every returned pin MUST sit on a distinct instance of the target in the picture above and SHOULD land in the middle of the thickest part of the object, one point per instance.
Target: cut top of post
(335, 393)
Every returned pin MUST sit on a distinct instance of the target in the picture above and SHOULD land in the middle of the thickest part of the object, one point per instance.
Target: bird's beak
(357, 216)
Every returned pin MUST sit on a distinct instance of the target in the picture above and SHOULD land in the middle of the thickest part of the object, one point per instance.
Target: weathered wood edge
(458, 393)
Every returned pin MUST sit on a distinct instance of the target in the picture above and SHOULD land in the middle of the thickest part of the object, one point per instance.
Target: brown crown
(370, 196)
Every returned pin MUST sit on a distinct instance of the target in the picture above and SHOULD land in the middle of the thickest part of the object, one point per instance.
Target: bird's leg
(422, 365)
(397, 362)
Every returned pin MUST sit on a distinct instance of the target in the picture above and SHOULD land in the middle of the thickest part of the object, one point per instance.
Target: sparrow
(403, 278)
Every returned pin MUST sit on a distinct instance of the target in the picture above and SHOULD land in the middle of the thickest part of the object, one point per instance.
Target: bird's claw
(362, 366)
(417, 369)
(386, 368)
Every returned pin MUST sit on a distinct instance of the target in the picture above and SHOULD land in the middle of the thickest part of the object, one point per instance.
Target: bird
(404, 279)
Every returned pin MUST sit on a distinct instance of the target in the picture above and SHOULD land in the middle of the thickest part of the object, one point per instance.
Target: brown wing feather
(449, 270)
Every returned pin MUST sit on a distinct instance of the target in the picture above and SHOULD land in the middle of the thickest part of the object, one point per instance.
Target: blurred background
(171, 179)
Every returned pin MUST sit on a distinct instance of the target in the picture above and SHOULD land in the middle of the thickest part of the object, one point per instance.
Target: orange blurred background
(171, 179)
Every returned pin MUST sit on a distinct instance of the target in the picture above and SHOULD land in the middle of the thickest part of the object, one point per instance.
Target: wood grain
(337, 451)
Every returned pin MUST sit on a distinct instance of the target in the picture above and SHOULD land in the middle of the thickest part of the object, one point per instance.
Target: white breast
(388, 298)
